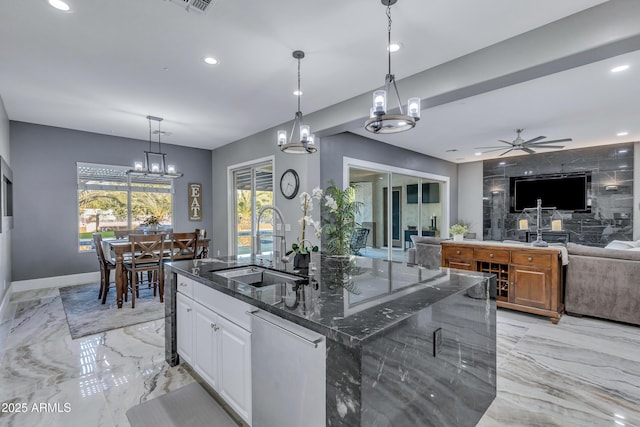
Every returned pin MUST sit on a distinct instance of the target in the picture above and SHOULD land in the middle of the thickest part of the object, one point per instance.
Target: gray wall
(5, 236)
(470, 196)
(335, 147)
(45, 238)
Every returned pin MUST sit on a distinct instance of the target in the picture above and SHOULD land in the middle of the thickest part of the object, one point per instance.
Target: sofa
(426, 251)
(604, 282)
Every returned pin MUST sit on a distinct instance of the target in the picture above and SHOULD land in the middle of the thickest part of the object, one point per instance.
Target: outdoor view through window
(110, 200)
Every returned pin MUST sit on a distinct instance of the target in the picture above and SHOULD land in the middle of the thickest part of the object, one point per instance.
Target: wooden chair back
(122, 234)
(97, 242)
(146, 249)
(184, 246)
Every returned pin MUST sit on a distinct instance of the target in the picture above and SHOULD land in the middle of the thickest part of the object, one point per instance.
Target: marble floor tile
(37, 320)
(580, 372)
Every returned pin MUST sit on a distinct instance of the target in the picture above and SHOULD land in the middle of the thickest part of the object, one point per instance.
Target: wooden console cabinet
(528, 279)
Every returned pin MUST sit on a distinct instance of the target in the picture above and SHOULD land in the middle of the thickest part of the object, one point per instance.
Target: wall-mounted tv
(566, 191)
(430, 193)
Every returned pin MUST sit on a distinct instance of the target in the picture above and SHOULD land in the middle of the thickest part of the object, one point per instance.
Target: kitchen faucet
(278, 256)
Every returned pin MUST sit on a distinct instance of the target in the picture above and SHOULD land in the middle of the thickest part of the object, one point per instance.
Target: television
(430, 193)
(565, 192)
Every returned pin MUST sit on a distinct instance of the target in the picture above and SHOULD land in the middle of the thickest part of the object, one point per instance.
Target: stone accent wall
(611, 216)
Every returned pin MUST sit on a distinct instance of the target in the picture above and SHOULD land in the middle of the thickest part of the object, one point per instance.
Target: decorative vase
(458, 237)
(301, 261)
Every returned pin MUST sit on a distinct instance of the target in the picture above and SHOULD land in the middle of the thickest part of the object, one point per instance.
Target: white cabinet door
(207, 352)
(184, 327)
(235, 367)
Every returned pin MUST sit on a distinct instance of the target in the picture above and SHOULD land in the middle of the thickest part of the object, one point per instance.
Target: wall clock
(289, 183)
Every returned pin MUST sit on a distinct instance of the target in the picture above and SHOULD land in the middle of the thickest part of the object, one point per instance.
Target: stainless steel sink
(257, 276)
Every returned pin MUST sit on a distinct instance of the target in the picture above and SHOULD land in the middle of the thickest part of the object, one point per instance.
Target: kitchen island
(402, 345)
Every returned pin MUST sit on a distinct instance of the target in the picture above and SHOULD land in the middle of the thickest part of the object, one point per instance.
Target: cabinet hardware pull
(529, 259)
(457, 252)
(490, 255)
(303, 339)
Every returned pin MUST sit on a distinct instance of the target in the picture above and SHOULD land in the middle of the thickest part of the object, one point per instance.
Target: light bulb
(282, 137)
(137, 166)
(379, 102)
(155, 167)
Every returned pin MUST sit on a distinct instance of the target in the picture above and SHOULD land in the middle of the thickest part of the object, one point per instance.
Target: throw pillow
(620, 244)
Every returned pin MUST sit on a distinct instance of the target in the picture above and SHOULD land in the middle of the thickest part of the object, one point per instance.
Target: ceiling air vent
(194, 5)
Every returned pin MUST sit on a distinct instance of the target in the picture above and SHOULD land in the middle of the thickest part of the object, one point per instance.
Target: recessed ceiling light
(297, 92)
(619, 68)
(60, 5)
(211, 60)
(478, 153)
(394, 47)
(623, 151)
(623, 133)
(502, 163)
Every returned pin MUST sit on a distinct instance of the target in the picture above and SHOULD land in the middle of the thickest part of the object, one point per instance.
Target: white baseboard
(53, 282)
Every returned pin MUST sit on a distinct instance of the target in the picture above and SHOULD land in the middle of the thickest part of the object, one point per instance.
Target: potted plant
(339, 219)
(152, 222)
(458, 231)
(303, 247)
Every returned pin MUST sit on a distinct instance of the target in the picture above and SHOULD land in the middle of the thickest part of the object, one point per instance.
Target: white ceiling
(108, 64)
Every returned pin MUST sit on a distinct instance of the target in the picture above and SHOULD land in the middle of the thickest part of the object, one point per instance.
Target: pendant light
(305, 141)
(154, 161)
(379, 121)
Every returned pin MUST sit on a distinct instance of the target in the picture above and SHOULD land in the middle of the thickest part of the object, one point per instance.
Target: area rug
(189, 406)
(86, 315)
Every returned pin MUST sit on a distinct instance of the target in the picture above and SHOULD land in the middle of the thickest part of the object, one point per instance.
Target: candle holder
(524, 222)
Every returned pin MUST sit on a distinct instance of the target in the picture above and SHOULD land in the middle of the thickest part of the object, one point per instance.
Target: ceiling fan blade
(494, 149)
(506, 142)
(552, 141)
(538, 138)
(499, 147)
(510, 149)
(547, 146)
(528, 150)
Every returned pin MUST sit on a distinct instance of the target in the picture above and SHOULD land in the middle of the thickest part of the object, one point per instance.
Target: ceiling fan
(526, 146)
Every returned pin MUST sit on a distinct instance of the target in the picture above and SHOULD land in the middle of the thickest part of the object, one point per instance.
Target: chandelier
(305, 142)
(154, 161)
(379, 121)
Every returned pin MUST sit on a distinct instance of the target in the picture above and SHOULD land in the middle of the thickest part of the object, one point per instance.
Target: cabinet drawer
(533, 259)
(225, 305)
(492, 255)
(457, 252)
(185, 285)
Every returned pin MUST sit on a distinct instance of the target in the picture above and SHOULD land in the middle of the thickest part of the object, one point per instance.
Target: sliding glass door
(253, 187)
(397, 204)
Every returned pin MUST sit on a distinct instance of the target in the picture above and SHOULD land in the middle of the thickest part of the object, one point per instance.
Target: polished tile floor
(581, 372)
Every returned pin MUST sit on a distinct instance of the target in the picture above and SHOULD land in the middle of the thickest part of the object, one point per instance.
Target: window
(253, 187)
(109, 200)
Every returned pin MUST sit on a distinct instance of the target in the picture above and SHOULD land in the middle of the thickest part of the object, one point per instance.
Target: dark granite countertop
(351, 300)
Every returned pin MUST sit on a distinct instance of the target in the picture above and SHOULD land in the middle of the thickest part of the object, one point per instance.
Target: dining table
(119, 248)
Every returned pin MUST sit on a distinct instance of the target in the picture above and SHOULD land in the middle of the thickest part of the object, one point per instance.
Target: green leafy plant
(339, 219)
(458, 229)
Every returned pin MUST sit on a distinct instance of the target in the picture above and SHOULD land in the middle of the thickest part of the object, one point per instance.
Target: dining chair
(183, 246)
(147, 252)
(122, 234)
(105, 267)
